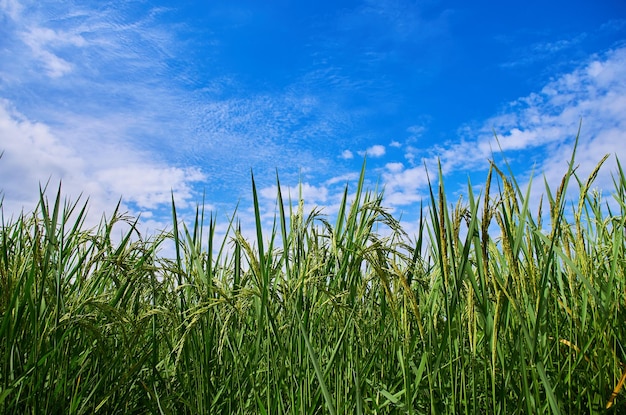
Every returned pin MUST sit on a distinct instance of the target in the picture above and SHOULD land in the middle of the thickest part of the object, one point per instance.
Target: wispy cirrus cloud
(72, 112)
(542, 50)
(109, 100)
(392, 22)
(551, 50)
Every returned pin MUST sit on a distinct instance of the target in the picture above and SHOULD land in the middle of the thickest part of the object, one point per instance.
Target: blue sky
(136, 99)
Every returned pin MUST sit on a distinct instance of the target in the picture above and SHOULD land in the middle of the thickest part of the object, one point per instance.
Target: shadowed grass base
(488, 311)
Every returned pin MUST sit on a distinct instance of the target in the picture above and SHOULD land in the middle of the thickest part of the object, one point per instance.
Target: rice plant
(491, 308)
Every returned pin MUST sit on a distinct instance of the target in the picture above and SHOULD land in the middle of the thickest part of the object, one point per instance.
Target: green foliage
(488, 311)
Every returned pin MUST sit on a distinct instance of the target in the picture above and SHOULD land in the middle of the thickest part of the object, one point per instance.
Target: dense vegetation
(492, 309)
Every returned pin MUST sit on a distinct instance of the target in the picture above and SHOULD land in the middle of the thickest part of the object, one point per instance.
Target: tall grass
(492, 309)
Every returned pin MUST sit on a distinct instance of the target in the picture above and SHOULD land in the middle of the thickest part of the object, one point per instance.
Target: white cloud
(11, 7)
(344, 178)
(374, 151)
(44, 42)
(403, 186)
(347, 155)
(394, 167)
(43, 36)
(416, 131)
(34, 155)
(546, 122)
(536, 132)
(149, 185)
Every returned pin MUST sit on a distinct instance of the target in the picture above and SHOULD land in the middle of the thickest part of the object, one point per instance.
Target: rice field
(491, 308)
